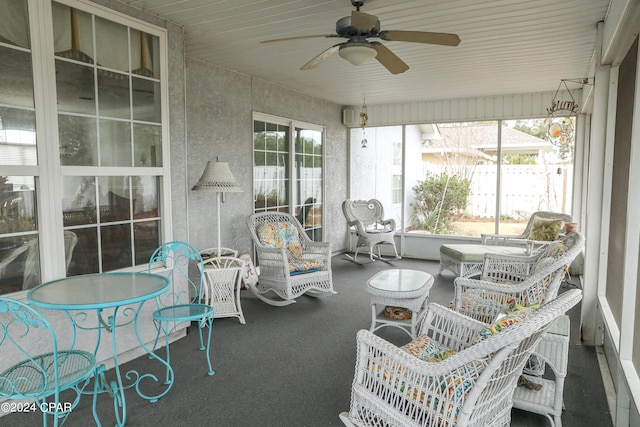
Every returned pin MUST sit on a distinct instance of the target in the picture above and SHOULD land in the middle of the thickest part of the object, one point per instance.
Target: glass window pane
(112, 45)
(271, 137)
(144, 54)
(445, 200)
(19, 253)
(147, 145)
(272, 164)
(75, 88)
(15, 23)
(16, 81)
(78, 200)
(19, 263)
(115, 143)
(146, 100)
(283, 161)
(12, 258)
(84, 259)
(18, 210)
(282, 137)
(114, 200)
(116, 246)
(535, 175)
(259, 136)
(146, 196)
(259, 195)
(17, 137)
(146, 237)
(282, 194)
(259, 160)
(78, 140)
(31, 276)
(113, 95)
(73, 33)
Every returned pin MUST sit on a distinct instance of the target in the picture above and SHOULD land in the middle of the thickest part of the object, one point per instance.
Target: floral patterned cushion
(512, 315)
(285, 235)
(444, 395)
(427, 349)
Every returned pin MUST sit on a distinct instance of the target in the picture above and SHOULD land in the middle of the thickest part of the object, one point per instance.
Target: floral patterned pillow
(285, 235)
(545, 229)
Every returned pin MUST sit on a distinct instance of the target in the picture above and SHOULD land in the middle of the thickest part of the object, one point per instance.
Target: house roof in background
(484, 138)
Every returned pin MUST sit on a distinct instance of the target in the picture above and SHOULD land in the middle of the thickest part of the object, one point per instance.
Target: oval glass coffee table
(398, 288)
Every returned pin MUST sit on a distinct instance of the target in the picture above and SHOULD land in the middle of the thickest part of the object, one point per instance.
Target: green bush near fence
(439, 197)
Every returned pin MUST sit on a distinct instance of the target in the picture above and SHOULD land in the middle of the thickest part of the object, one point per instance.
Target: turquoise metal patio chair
(182, 303)
(35, 369)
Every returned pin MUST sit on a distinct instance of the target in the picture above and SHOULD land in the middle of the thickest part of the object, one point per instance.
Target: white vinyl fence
(524, 189)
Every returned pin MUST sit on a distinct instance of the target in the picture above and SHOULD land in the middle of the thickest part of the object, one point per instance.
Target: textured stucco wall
(220, 106)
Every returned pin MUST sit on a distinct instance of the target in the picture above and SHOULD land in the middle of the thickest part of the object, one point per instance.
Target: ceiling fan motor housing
(345, 29)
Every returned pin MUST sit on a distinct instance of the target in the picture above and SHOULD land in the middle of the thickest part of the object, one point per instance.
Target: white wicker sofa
(472, 385)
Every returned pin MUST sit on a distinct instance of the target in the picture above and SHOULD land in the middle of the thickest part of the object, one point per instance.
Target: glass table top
(399, 280)
(98, 290)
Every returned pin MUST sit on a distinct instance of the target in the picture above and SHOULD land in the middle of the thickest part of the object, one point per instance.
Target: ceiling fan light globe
(357, 54)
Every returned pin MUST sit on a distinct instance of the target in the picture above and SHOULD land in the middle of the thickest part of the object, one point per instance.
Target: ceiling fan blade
(389, 59)
(444, 39)
(321, 57)
(362, 21)
(315, 36)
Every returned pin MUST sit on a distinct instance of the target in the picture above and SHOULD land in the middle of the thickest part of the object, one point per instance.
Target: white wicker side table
(400, 288)
(554, 350)
(223, 276)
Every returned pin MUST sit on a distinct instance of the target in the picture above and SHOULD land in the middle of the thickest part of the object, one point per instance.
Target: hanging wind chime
(363, 122)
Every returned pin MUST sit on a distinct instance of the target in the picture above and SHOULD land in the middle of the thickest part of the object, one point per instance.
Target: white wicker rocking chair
(524, 280)
(473, 386)
(372, 229)
(290, 263)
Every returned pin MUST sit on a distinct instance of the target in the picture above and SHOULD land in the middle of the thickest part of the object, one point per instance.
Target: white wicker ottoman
(466, 260)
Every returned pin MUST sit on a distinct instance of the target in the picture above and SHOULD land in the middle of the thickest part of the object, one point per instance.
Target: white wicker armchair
(473, 386)
(290, 263)
(523, 280)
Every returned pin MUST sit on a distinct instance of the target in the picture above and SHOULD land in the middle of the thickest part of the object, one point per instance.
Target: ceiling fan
(358, 29)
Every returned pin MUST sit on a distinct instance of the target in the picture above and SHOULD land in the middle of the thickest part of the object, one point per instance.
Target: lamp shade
(357, 53)
(217, 178)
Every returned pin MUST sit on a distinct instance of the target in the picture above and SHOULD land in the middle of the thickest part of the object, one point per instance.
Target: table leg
(116, 389)
(152, 355)
(414, 321)
(374, 315)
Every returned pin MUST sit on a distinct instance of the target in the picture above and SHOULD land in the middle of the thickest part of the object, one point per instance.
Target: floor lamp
(217, 178)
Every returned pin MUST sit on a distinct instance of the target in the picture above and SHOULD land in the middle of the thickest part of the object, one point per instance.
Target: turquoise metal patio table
(78, 295)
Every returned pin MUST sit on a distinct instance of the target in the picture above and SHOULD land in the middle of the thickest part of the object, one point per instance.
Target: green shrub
(438, 198)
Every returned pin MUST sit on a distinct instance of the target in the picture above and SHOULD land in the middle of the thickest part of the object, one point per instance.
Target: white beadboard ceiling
(507, 46)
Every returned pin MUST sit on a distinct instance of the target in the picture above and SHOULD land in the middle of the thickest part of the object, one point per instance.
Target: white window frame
(49, 173)
(293, 124)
